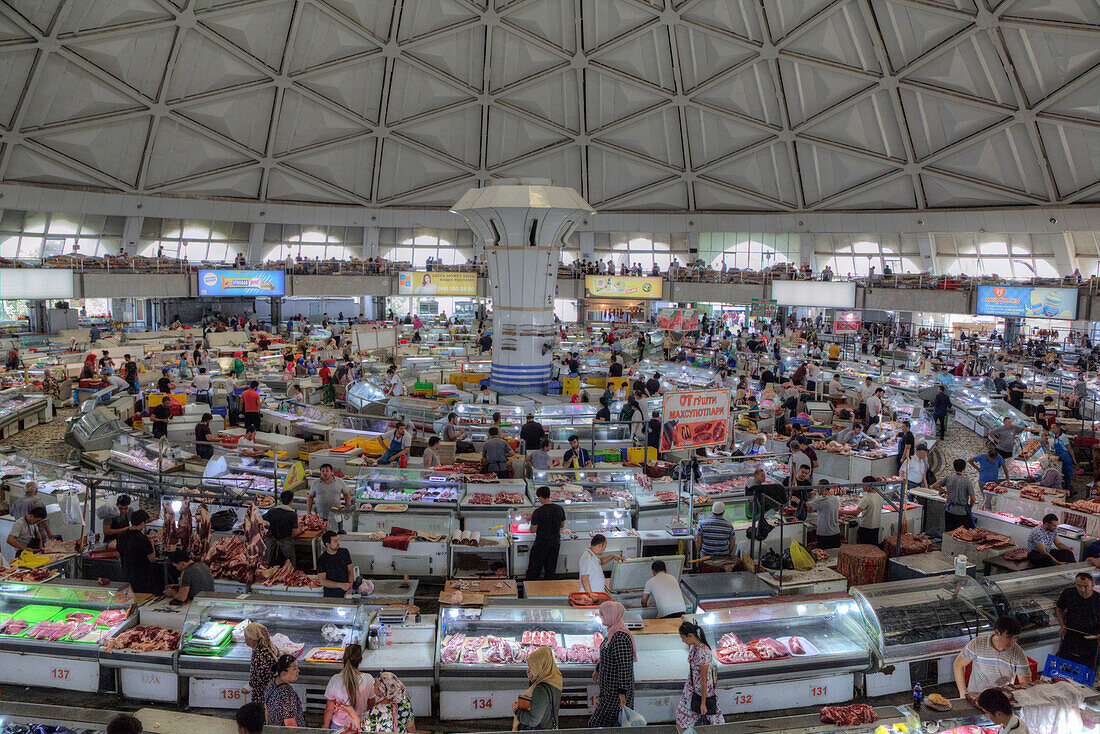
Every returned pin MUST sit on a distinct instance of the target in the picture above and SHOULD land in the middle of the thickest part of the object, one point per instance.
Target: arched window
(747, 251)
(443, 246)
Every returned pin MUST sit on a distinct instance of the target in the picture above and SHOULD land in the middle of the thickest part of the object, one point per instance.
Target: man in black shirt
(574, 364)
(638, 387)
(653, 430)
(334, 567)
(616, 369)
(603, 415)
(195, 577)
(532, 432)
(766, 377)
(203, 436)
(766, 496)
(282, 524)
(1016, 390)
(485, 343)
(161, 415)
(546, 521)
(653, 384)
(1078, 610)
(136, 555)
(906, 443)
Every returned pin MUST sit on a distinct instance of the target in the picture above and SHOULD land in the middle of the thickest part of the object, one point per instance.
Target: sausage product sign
(693, 419)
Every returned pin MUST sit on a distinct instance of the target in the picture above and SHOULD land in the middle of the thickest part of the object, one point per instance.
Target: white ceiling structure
(678, 105)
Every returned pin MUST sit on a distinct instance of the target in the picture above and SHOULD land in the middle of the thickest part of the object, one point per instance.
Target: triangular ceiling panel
(414, 91)
(323, 37)
(86, 16)
(646, 56)
(515, 58)
(410, 169)
(287, 186)
(551, 20)
(867, 124)
(561, 165)
(259, 29)
(438, 196)
(656, 135)
(612, 174)
(180, 152)
(16, 63)
(137, 57)
(374, 15)
(606, 20)
(704, 55)
(424, 16)
(738, 17)
(243, 116)
(1047, 59)
(40, 13)
(672, 196)
(11, 31)
(910, 30)
(971, 66)
(712, 136)
(303, 121)
(942, 192)
(786, 15)
(1074, 155)
(553, 98)
(610, 98)
(838, 35)
(348, 164)
(26, 164)
(460, 54)
(112, 146)
(1007, 158)
(897, 193)
(1057, 11)
(455, 133)
(73, 94)
(751, 91)
(1082, 102)
(834, 171)
(936, 122)
(243, 183)
(511, 136)
(767, 172)
(810, 89)
(355, 85)
(204, 66)
(712, 197)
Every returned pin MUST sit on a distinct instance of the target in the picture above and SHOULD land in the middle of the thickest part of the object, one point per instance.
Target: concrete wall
(342, 285)
(731, 293)
(137, 285)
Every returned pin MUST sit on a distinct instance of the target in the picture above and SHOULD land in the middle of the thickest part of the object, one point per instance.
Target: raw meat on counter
(1018, 469)
(338, 635)
(856, 713)
(729, 486)
(481, 478)
(729, 640)
(287, 575)
(508, 498)
(52, 631)
(737, 654)
(326, 656)
(583, 654)
(564, 495)
(540, 638)
(144, 639)
(452, 649)
(311, 522)
(79, 617)
(30, 575)
(666, 496)
(480, 498)
(982, 537)
(819, 555)
(1091, 508)
(13, 626)
(769, 649)
(112, 617)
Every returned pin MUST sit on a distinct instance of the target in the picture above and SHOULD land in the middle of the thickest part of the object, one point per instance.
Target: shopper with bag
(615, 669)
(537, 707)
(698, 705)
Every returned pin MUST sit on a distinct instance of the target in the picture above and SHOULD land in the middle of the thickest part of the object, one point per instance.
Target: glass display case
(15, 404)
(594, 499)
(362, 393)
(139, 453)
(424, 414)
(66, 618)
(996, 411)
(94, 430)
(422, 488)
(1029, 597)
(924, 618)
(676, 375)
(807, 638)
(727, 478)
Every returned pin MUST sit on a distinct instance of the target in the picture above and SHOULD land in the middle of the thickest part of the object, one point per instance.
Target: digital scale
(678, 529)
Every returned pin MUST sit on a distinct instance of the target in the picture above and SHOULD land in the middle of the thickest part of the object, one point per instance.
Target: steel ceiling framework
(679, 105)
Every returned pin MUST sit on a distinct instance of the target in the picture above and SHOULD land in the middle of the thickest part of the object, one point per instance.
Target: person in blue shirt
(576, 456)
(989, 465)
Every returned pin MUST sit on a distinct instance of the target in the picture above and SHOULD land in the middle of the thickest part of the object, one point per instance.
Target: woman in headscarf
(615, 669)
(50, 385)
(13, 360)
(261, 670)
(238, 364)
(393, 710)
(88, 372)
(538, 705)
(1051, 476)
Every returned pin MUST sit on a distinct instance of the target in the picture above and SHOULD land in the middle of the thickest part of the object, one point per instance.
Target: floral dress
(387, 717)
(261, 672)
(283, 703)
(698, 656)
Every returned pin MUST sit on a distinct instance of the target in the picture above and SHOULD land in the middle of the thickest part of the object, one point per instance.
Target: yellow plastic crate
(156, 398)
(570, 385)
(641, 454)
(615, 383)
(597, 381)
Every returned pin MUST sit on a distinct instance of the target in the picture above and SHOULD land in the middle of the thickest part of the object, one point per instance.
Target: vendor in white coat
(592, 563)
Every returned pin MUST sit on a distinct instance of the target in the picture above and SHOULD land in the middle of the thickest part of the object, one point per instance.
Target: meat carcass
(183, 525)
(254, 533)
(200, 540)
(170, 534)
(853, 715)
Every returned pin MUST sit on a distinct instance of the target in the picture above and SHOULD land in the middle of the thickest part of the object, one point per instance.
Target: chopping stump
(862, 564)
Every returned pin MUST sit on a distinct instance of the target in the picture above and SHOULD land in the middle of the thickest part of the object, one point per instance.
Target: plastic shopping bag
(630, 717)
(801, 557)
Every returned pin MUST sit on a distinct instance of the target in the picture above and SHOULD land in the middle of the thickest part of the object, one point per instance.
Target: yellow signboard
(621, 286)
(437, 284)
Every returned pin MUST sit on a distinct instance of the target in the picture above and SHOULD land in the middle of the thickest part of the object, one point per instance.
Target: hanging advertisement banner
(678, 319)
(621, 286)
(693, 419)
(1023, 302)
(847, 322)
(242, 283)
(437, 284)
(759, 309)
(823, 294)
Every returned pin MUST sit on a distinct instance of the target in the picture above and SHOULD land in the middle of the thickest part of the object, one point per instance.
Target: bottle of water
(918, 696)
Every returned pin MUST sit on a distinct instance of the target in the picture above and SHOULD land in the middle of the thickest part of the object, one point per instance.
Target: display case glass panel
(499, 638)
(60, 615)
(422, 487)
(1030, 596)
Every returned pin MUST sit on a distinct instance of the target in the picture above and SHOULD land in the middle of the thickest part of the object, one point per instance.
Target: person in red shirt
(250, 405)
(328, 389)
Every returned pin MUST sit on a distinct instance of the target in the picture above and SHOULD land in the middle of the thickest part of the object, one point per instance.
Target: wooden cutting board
(469, 599)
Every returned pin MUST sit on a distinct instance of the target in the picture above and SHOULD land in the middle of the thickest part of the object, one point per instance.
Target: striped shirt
(717, 534)
(993, 667)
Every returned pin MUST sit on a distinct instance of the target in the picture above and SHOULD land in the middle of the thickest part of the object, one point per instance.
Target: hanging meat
(183, 525)
(254, 533)
(171, 535)
(200, 539)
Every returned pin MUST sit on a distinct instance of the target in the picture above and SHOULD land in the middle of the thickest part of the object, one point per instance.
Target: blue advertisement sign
(1024, 302)
(242, 283)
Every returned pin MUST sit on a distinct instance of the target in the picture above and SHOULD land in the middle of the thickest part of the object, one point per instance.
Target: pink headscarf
(612, 613)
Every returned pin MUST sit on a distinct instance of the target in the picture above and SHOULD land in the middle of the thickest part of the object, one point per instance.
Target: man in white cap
(716, 536)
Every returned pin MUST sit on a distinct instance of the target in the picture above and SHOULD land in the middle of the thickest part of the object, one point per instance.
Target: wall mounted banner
(823, 294)
(437, 284)
(847, 322)
(242, 283)
(1025, 302)
(678, 319)
(693, 419)
(20, 283)
(621, 286)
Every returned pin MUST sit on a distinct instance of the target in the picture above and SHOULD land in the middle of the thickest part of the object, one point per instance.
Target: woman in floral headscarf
(50, 386)
(615, 670)
(394, 711)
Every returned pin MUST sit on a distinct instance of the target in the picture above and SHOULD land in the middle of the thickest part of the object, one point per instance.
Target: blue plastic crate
(221, 410)
(1057, 667)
